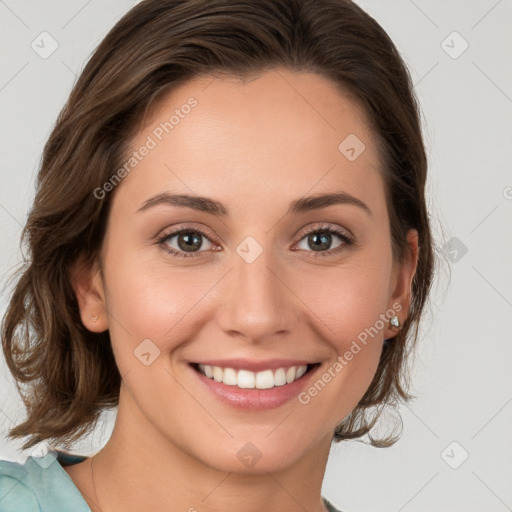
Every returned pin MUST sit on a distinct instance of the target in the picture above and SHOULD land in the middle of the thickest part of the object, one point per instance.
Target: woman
(225, 244)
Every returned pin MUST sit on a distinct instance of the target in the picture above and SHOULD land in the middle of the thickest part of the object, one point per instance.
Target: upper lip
(255, 366)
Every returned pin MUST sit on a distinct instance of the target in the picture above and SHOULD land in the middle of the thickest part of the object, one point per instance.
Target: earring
(94, 318)
(394, 322)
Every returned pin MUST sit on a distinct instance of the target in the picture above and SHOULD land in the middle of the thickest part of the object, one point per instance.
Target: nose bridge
(256, 302)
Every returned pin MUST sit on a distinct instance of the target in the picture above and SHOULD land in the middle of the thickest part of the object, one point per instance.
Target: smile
(246, 379)
(263, 388)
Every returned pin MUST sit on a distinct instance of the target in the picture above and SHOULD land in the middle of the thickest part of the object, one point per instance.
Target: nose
(257, 301)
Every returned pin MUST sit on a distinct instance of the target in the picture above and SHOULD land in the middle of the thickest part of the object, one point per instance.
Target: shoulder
(16, 494)
(40, 484)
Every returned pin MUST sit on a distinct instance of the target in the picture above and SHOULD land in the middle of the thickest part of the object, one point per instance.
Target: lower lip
(256, 399)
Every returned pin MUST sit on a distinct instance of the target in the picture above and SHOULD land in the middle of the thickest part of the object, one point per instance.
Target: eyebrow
(211, 206)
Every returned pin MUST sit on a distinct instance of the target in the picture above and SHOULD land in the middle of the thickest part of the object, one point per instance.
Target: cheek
(349, 299)
(347, 304)
(148, 300)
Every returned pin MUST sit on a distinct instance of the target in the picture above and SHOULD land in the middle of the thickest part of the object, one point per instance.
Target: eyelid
(319, 226)
(166, 235)
(344, 234)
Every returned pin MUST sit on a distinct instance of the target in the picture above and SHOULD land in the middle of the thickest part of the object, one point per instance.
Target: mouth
(241, 388)
(247, 379)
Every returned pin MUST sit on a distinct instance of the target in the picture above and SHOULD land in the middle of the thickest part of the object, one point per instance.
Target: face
(263, 278)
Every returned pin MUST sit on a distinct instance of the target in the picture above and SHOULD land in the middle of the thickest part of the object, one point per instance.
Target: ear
(87, 283)
(401, 286)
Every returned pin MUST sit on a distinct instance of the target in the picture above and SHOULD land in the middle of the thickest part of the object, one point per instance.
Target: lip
(255, 399)
(255, 366)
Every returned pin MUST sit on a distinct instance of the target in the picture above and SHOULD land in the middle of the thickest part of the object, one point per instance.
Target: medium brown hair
(70, 371)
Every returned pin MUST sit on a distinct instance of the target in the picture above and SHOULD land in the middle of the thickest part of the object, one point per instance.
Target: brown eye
(188, 241)
(320, 240)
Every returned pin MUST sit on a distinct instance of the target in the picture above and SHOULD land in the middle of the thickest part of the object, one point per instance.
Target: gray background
(462, 371)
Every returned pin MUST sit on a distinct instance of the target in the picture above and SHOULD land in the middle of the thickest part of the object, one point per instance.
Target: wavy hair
(67, 375)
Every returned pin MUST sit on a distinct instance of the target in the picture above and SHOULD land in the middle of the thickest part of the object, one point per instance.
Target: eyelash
(347, 240)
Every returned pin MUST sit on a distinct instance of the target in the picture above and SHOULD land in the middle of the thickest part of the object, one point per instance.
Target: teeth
(229, 377)
(207, 371)
(246, 379)
(218, 373)
(265, 379)
(280, 377)
(301, 370)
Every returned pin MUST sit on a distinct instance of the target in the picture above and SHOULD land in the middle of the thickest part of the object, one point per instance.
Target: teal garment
(42, 485)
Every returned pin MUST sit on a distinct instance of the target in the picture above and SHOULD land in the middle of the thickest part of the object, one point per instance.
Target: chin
(259, 456)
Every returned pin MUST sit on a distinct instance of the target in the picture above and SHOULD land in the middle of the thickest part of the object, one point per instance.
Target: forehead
(284, 133)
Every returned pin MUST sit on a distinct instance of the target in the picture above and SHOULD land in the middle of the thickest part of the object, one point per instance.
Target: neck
(176, 479)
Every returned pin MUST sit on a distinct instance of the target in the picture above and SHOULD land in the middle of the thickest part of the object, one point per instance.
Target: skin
(255, 147)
